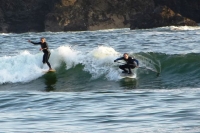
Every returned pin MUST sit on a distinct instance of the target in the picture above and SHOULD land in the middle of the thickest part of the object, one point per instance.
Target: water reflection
(50, 81)
(128, 83)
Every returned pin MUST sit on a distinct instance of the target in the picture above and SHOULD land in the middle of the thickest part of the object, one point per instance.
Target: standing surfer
(131, 63)
(45, 49)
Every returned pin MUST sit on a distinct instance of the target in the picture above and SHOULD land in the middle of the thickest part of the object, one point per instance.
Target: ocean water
(87, 94)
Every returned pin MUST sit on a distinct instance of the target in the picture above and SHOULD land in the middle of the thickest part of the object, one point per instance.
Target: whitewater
(87, 93)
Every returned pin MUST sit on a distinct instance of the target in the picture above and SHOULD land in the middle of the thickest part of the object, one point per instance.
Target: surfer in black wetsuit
(131, 63)
(45, 49)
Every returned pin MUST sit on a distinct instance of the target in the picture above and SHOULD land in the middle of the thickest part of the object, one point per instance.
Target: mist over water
(87, 93)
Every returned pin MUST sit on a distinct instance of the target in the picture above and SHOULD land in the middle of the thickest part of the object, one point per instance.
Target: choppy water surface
(87, 94)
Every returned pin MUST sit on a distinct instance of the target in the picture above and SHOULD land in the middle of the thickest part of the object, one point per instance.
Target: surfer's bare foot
(50, 69)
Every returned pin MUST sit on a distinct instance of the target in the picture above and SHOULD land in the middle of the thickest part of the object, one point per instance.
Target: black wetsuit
(131, 63)
(46, 52)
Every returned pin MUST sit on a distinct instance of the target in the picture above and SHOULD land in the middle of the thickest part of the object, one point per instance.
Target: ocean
(87, 93)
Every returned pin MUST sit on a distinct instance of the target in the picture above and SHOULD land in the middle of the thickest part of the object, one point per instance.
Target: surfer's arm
(35, 43)
(121, 58)
(137, 62)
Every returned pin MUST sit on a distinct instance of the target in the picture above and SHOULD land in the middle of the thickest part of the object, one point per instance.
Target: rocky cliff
(187, 8)
(73, 15)
(23, 16)
(77, 15)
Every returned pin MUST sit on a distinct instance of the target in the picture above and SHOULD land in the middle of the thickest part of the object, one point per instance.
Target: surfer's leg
(130, 67)
(123, 68)
(47, 60)
(43, 60)
(129, 70)
(49, 65)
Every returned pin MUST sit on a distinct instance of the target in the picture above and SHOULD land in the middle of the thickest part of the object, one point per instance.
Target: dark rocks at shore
(161, 16)
(80, 15)
(23, 16)
(187, 8)
(67, 15)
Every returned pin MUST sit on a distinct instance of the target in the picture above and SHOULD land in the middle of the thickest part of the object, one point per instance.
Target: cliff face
(72, 15)
(168, 12)
(161, 16)
(115, 13)
(187, 8)
(67, 15)
(76, 15)
(22, 15)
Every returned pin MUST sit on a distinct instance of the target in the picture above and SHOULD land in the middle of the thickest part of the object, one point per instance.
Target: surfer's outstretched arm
(35, 43)
(121, 58)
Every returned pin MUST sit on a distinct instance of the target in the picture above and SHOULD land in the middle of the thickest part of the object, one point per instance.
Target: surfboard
(125, 75)
(49, 71)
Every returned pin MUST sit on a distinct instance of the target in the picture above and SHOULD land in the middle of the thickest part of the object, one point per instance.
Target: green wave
(176, 71)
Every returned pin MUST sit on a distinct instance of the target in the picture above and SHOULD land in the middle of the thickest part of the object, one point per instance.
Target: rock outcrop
(23, 16)
(187, 8)
(80, 15)
(161, 16)
(73, 15)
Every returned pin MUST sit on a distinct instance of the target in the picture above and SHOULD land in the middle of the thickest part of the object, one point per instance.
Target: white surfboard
(126, 75)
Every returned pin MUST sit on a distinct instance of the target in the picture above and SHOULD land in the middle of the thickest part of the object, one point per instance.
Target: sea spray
(99, 61)
(20, 68)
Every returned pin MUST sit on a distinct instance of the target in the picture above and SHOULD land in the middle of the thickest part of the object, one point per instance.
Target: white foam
(21, 68)
(26, 67)
(177, 28)
(183, 28)
(99, 62)
(65, 54)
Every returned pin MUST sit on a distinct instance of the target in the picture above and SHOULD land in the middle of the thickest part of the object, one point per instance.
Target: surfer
(131, 63)
(45, 49)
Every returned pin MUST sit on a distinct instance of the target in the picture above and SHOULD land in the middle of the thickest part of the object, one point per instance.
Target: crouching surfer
(131, 63)
(45, 49)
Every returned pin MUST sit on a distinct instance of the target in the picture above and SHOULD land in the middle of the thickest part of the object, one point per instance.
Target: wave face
(157, 70)
(176, 71)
